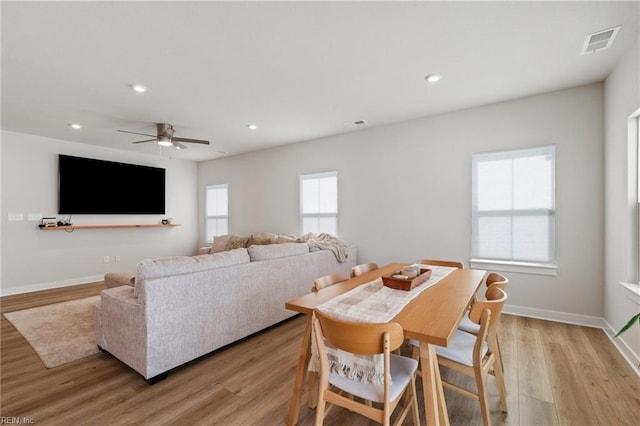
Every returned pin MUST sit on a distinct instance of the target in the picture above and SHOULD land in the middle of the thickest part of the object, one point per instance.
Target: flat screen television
(90, 186)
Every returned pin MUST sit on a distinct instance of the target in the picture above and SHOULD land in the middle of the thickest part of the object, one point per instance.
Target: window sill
(633, 291)
(521, 267)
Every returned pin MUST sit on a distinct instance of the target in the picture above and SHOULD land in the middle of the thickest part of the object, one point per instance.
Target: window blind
(513, 206)
(319, 203)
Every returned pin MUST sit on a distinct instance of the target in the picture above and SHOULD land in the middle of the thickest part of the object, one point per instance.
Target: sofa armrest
(123, 330)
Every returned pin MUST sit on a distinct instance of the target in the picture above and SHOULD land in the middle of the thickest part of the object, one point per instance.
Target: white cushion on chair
(460, 348)
(402, 368)
(469, 326)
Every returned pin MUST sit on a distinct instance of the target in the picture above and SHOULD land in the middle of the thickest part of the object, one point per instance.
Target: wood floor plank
(569, 390)
(556, 374)
(533, 379)
(508, 338)
(536, 412)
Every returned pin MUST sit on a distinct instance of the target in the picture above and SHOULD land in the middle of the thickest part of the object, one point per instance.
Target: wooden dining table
(432, 318)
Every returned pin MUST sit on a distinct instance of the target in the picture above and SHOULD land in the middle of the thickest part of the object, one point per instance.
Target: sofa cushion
(273, 251)
(262, 238)
(175, 265)
(283, 238)
(115, 279)
(236, 242)
(220, 243)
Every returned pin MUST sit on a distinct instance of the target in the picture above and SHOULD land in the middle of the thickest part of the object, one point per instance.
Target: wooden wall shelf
(105, 226)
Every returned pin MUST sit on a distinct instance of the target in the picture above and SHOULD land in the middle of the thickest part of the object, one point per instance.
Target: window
(636, 118)
(217, 211)
(513, 207)
(319, 203)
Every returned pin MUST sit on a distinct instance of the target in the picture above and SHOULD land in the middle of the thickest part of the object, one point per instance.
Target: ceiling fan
(165, 137)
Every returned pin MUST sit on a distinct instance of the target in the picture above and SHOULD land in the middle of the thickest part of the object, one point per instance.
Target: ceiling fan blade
(191, 140)
(148, 140)
(179, 146)
(136, 133)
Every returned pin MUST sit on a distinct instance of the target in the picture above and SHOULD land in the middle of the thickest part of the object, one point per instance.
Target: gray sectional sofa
(183, 307)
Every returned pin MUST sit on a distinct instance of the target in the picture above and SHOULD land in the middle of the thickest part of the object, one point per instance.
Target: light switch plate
(34, 216)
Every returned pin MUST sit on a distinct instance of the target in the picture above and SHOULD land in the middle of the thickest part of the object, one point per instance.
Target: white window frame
(209, 237)
(632, 285)
(511, 265)
(636, 179)
(321, 214)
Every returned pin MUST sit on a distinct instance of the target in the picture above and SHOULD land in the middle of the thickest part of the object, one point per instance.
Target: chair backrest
(360, 338)
(327, 280)
(496, 298)
(362, 268)
(450, 263)
(497, 280)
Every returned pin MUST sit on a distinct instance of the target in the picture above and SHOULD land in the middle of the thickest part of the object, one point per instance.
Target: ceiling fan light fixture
(162, 141)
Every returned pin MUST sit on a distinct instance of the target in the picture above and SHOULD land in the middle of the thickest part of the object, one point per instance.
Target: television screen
(90, 186)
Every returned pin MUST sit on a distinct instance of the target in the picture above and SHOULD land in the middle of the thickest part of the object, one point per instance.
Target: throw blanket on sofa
(325, 241)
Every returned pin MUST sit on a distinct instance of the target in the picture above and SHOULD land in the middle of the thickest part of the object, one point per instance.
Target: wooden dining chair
(362, 268)
(365, 339)
(493, 280)
(477, 355)
(450, 263)
(327, 280)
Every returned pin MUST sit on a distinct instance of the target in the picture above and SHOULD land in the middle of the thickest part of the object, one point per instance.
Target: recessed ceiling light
(432, 78)
(139, 88)
(252, 126)
(75, 126)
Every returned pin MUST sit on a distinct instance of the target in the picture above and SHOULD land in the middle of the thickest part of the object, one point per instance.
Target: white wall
(622, 89)
(33, 259)
(405, 190)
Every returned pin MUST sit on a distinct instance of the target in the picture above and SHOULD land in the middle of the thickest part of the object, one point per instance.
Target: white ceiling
(299, 70)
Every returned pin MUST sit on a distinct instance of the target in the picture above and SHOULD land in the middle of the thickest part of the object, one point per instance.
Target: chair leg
(312, 397)
(500, 354)
(414, 397)
(415, 354)
(482, 395)
(320, 408)
(499, 374)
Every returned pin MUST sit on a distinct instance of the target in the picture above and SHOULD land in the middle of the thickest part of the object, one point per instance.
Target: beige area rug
(59, 333)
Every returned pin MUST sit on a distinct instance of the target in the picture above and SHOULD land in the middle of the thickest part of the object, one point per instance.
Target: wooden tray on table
(401, 282)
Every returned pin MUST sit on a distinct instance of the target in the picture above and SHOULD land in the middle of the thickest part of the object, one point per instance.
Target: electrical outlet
(106, 259)
(34, 216)
(116, 259)
(15, 217)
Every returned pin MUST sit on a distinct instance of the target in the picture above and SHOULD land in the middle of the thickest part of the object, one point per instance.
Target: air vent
(600, 40)
(357, 123)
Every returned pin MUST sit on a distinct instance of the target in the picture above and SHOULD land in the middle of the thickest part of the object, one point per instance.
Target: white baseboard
(632, 358)
(577, 319)
(50, 285)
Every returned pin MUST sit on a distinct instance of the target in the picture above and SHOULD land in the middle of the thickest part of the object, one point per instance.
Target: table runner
(369, 302)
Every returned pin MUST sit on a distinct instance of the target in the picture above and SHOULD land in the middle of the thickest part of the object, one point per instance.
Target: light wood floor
(557, 374)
